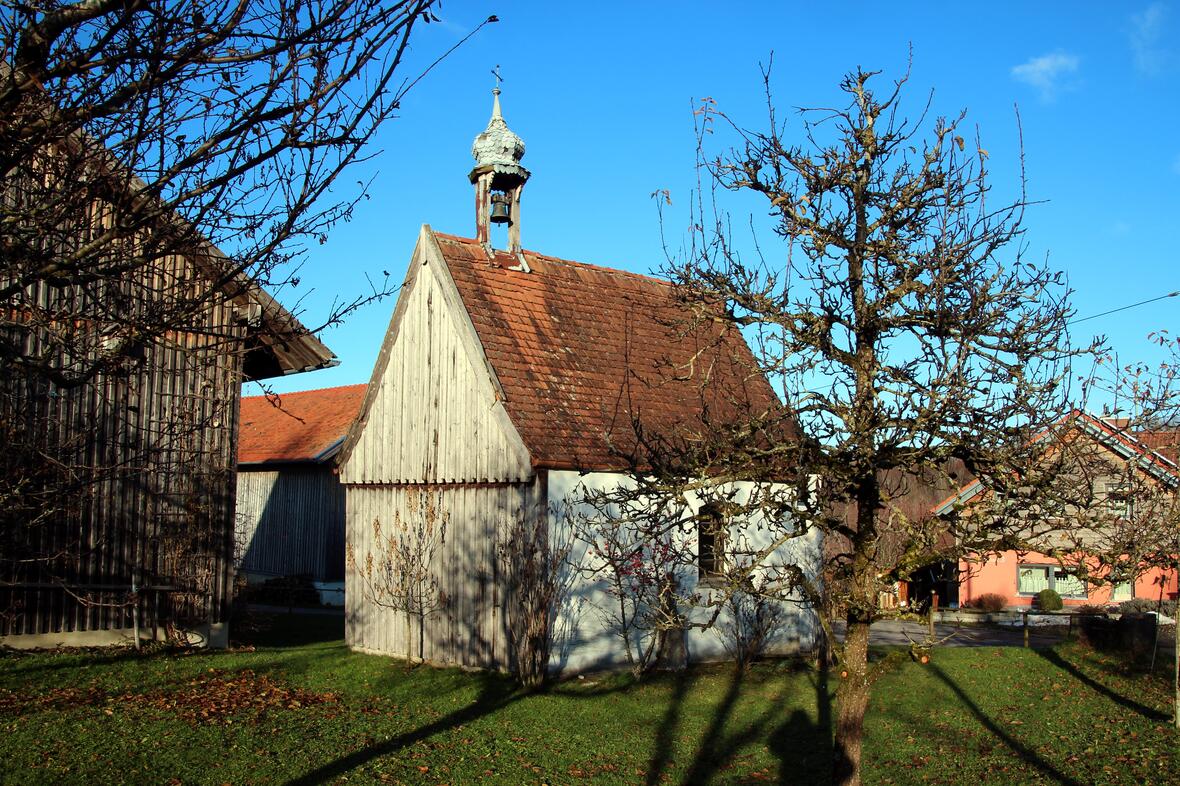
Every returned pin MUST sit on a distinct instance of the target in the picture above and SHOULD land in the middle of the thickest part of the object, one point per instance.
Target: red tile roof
(585, 353)
(1159, 447)
(1166, 443)
(296, 426)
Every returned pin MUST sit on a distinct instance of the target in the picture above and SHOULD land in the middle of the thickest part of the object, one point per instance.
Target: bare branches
(915, 344)
(400, 570)
(134, 133)
(161, 163)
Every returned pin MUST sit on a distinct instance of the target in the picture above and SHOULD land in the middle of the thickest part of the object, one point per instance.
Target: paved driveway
(889, 632)
(893, 632)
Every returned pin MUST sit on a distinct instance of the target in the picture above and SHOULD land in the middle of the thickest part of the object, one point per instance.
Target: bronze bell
(500, 214)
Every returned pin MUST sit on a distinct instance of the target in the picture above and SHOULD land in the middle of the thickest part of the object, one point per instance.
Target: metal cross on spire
(499, 79)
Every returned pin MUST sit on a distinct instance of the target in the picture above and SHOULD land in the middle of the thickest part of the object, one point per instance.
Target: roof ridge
(562, 261)
(301, 392)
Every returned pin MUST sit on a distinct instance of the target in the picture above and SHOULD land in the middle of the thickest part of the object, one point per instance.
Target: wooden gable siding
(433, 423)
(146, 465)
(290, 521)
(471, 626)
(434, 412)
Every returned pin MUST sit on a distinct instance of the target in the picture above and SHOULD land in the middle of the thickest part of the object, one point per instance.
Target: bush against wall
(749, 625)
(535, 560)
(991, 601)
(641, 553)
(1148, 606)
(399, 571)
(1049, 600)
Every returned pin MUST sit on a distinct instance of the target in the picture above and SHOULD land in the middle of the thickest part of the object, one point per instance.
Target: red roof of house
(294, 427)
(1159, 447)
(586, 354)
(1166, 443)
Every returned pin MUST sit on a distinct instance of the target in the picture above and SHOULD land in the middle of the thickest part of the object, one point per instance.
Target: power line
(1124, 308)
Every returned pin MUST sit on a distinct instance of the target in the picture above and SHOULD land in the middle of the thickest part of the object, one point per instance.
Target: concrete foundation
(214, 636)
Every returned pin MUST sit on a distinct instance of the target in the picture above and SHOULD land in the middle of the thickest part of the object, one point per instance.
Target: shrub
(750, 627)
(1049, 600)
(1092, 608)
(1146, 606)
(991, 601)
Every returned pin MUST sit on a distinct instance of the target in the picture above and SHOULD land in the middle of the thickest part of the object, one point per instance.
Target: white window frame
(1053, 570)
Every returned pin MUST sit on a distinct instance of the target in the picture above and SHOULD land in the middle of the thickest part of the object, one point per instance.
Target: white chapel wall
(584, 640)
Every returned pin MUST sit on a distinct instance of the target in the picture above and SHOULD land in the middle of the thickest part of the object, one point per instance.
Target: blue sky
(602, 95)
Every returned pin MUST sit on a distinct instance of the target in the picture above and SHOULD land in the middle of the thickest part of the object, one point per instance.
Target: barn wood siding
(126, 478)
(471, 627)
(434, 413)
(290, 521)
(147, 492)
(434, 424)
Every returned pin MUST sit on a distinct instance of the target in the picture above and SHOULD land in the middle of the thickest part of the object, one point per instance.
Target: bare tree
(534, 560)
(158, 163)
(905, 327)
(400, 569)
(1124, 511)
(752, 620)
(640, 552)
(133, 132)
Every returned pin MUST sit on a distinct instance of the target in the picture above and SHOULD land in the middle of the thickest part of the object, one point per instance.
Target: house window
(710, 542)
(1067, 584)
(1112, 497)
(1122, 592)
(1031, 579)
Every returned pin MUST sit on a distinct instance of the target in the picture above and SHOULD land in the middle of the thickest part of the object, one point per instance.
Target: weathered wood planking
(290, 521)
(150, 453)
(433, 412)
(126, 478)
(433, 423)
(469, 628)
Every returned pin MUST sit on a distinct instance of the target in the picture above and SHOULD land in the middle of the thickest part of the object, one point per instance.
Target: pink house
(1020, 575)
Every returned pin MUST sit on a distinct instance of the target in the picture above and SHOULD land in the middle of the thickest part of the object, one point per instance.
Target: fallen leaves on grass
(18, 703)
(219, 695)
(212, 697)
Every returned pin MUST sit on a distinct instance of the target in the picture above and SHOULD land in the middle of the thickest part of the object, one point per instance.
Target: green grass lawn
(313, 712)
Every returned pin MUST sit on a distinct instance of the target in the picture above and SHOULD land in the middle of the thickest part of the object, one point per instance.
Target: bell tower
(498, 177)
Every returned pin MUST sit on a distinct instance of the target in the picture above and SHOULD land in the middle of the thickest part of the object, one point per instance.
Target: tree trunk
(409, 638)
(852, 700)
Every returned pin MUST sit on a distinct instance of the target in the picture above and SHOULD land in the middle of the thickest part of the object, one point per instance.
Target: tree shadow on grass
(1025, 753)
(19, 665)
(1123, 701)
(661, 756)
(496, 692)
(801, 742)
(804, 746)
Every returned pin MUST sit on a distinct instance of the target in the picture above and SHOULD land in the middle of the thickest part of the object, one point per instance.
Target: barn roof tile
(585, 354)
(297, 427)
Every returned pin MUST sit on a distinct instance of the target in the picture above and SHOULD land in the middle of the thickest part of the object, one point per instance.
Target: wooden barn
(509, 381)
(119, 389)
(290, 504)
